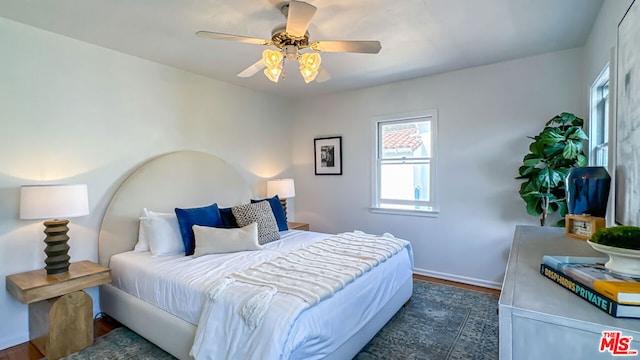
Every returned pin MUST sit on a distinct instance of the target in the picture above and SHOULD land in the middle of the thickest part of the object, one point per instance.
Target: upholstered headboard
(179, 179)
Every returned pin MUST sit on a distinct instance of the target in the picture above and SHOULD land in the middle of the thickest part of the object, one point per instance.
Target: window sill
(422, 213)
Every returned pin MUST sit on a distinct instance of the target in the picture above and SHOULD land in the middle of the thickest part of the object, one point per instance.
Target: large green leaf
(550, 136)
(537, 148)
(567, 117)
(549, 177)
(529, 188)
(533, 162)
(534, 206)
(526, 171)
(530, 156)
(562, 171)
(576, 133)
(582, 160)
(570, 150)
(553, 150)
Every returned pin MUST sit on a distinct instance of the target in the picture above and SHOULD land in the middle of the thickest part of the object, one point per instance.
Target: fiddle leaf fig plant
(555, 150)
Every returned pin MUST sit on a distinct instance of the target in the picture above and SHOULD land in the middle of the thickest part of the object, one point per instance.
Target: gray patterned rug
(440, 323)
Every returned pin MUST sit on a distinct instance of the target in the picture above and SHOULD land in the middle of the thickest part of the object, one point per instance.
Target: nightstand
(60, 313)
(298, 226)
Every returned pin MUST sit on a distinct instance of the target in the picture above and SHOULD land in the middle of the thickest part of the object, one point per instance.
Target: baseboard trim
(458, 278)
(16, 340)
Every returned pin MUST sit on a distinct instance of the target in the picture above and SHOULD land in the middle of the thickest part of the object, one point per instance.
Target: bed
(192, 179)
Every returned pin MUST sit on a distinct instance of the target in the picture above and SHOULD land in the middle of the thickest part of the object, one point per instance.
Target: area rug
(121, 344)
(441, 322)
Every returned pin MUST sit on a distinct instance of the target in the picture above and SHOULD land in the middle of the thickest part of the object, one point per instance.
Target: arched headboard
(179, 179)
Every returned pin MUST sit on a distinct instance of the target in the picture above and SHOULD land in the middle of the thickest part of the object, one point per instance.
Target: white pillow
(143, 240)
(211, 240)
(164, 236)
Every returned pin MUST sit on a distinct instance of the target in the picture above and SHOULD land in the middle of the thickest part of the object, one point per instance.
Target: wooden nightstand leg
(62, 325)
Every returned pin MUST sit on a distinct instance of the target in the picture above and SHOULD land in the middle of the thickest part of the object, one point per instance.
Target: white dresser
(541, 320)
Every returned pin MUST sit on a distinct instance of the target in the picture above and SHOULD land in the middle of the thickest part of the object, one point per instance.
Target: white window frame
(596, 114)
(429, 208)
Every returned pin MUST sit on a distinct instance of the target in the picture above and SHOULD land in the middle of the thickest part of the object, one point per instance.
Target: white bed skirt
(175, 335)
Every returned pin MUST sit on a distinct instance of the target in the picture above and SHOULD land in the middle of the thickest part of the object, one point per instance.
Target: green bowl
(626, 237)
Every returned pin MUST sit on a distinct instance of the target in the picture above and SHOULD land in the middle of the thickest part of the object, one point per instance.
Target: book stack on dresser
(616, 294)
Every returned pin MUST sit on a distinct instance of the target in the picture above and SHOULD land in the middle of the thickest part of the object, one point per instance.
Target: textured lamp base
(284, 207)
(57, 249)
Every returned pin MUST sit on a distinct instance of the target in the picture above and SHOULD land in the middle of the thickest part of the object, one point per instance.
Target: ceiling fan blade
(253, 69)
(229, 37)
(323, 75)
(299, 17)
(367, 47)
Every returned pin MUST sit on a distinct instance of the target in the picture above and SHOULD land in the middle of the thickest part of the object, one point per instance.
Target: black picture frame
(327, 153)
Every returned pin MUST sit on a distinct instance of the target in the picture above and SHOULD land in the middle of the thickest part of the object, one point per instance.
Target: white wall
(485, 115)
(599, 51)
(76, 113)
(603, 38)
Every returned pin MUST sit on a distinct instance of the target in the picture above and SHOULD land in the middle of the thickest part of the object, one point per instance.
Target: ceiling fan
(290, 39)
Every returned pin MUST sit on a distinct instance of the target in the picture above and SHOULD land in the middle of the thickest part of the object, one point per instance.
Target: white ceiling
(419, 37)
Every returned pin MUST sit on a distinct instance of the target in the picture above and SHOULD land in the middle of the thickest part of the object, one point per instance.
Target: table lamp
(284, 188)
(55, 203)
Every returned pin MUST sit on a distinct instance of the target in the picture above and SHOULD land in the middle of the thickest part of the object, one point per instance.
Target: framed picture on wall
(328, 155)
(627, 176)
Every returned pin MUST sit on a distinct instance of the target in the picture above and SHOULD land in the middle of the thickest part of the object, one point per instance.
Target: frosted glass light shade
(310, 61)
(271, 58)
(273, 74)
(284, 188)
(53, 201)
(308, 75)
(309, 66)
(273, 61)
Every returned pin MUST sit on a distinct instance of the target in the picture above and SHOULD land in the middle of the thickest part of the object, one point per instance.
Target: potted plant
(555, 150)
(622, 244)
(626, 237)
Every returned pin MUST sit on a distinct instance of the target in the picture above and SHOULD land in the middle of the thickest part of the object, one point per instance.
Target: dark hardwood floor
(26, 351)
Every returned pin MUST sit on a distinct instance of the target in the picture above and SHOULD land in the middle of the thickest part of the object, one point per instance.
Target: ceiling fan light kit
(291, 37)
(309, 66)
(273, 61)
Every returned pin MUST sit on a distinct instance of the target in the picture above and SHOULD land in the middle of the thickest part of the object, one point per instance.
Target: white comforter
(258, 306)
(179, 285)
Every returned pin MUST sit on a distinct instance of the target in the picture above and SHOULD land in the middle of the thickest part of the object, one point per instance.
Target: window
(599, 120)
(405, 171)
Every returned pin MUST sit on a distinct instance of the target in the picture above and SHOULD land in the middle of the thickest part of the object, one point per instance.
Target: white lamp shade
(53, 201)
(284, 188)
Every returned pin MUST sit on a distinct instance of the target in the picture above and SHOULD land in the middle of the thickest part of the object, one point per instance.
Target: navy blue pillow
(228, 219)
(203, 216)
(278, 212)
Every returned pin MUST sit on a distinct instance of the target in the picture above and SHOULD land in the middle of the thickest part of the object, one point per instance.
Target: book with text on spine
(589, 295)
(591, 272)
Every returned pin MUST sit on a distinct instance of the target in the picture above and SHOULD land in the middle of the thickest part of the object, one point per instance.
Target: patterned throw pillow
(262, 214)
